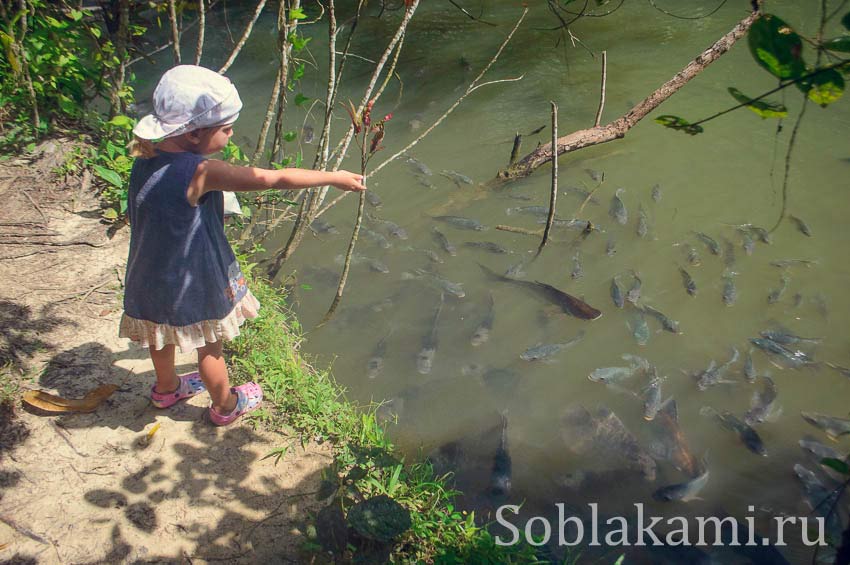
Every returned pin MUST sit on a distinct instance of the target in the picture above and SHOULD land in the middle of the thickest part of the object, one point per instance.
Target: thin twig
(602, 89)
(244, 37)
(175, 33)
(554, 193)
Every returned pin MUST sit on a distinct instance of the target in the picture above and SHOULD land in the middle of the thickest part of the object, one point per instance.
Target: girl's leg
(213, 372)
(166, 374)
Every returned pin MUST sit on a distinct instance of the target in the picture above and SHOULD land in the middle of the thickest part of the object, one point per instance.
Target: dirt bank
(90, 488)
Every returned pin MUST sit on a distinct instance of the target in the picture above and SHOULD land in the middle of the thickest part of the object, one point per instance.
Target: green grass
(310, 403)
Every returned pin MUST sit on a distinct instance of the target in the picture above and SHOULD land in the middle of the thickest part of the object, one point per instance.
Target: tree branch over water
(618, 128)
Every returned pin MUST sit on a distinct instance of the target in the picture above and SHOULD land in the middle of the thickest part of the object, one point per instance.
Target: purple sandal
(248, 398)
(190, 385)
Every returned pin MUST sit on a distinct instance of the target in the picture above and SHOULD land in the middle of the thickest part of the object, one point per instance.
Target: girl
(183, 285)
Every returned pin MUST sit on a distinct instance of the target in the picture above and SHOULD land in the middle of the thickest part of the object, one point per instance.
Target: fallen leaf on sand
(52, 403)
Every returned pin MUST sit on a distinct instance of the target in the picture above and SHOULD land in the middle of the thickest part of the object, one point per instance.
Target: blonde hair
(144, 148)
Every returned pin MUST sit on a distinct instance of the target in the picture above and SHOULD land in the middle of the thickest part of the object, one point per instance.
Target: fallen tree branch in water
(553, 196)
(514, 229)
(618, 128)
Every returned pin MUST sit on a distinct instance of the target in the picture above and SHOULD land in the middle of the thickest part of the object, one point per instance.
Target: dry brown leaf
(52, 403)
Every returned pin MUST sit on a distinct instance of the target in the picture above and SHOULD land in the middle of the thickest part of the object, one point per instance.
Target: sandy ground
(90, 488)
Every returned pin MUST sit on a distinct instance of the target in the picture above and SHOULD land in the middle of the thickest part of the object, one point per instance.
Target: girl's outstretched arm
(212, 174)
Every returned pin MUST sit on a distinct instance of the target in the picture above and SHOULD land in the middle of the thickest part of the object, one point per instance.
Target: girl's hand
(345, 180)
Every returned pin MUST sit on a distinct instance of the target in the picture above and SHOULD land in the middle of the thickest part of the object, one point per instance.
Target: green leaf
(300, 99)
(290, 135)
(297, 14)
(110, 214)
(306, 287)
(67, 105)
(824, 88)
(75, 15)
(121, 121)
(838, 44)
(837, 464)
(761, 107)
(845, 21)
(776, 47)
(95, 31)
(677, 123)
(298, 42)
(109, 176)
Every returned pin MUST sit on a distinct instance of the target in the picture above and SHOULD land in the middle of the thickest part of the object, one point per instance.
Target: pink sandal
(248, 398)
(190, 385)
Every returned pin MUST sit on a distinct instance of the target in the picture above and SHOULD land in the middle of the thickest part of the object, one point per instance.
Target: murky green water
(729, 175)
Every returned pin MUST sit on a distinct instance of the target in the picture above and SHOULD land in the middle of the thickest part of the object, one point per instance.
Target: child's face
(211, 140)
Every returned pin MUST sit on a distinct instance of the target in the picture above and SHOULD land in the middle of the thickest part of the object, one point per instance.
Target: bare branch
(602, 89)
(175, 33)
(260, 5)
(202, 20)
(554, 193)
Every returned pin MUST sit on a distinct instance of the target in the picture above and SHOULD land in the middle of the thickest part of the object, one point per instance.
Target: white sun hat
(189, 97)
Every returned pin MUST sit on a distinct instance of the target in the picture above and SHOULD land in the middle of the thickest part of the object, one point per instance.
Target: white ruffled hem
(191, 337)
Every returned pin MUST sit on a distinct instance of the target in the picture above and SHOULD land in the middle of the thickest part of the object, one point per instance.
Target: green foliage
(836, 464)
(776, 47)
(677, 123)
(845, 21)
(761, 107)
(824, 87)
(838, 44)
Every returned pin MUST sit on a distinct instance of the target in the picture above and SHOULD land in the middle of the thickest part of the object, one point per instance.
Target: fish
(617, 210)
(763, 404)
(617, 293)
(730, 292)
(500, 474)
(578, 225)
(541, 352)
(785, 338)
(535, 131)
(801, 225)
(795, 358)
(670, 443)
(528, 210)
(424, 181)
(746, 433)
(378, 238)
(307, 134)
(523, 197)
(432, 255)
(611, 247)
(375, 365)
(373, 199)
(462, 222)
(643, 222)
(482, 332)
(582, 193)
(501, 380)
(418, 166)
(693, 257)
(820, 304)
(652, 398)
(357, 259)
(709, 242)
(425, 357)
(516, 271)
(843, 370)
(821, 500)
(759, 233)
(688, 281)
(603, 435)
(785, 263)
(656, 192)
(577, 271)
(747, 243)
(633, 295)
(639, 328)
(683, 492)
(834, 427)
(320, 226)
(595, 175)
(610, 375)
(713, 375)
(442, 284)
(392, 228)
(568, 303)
(444, 242)
(669, 325)
(457, 177)
(488, 246)
(749, 367)
(776, 294)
